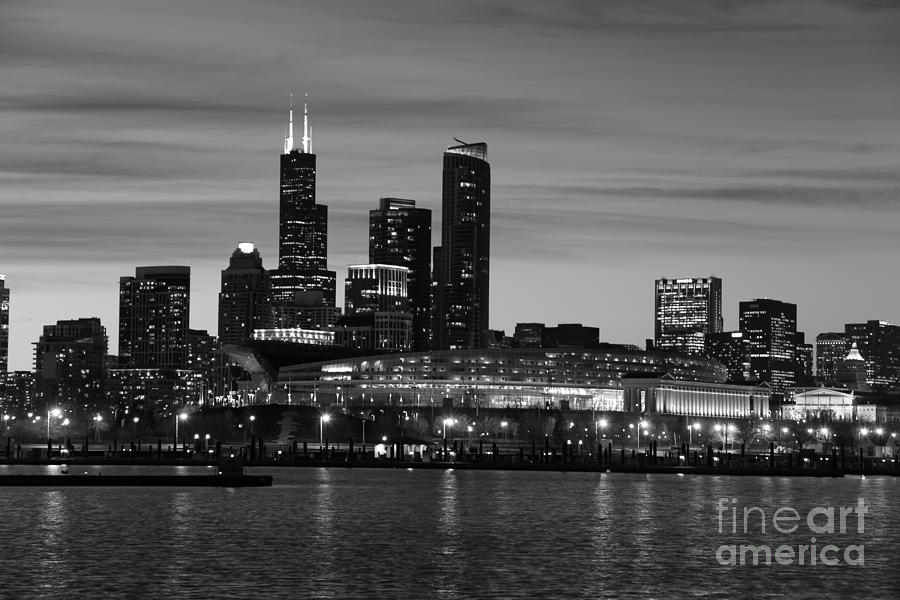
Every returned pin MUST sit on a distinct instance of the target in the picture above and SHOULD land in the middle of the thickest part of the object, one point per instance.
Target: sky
(758, 141)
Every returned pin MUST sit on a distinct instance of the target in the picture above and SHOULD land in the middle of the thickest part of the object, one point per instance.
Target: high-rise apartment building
(686, 310)
(154, 315)
(69, 363)
(464, 277)
(400, 234)
(879, 344)
(245, 296)
(771, 328)
(302, 225)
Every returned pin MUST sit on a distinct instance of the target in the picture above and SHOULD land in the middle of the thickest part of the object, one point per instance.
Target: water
(340, 533)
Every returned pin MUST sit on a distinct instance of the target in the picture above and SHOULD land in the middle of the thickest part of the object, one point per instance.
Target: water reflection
(448, 559)
(52, 550)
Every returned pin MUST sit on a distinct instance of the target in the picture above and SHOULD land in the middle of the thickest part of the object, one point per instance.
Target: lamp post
(181, 417)
(503, 426)
(641, 425)
(602, 423)
(55, 412)
(136, 419)
(322, 420)
(449, 422)
(97, 421)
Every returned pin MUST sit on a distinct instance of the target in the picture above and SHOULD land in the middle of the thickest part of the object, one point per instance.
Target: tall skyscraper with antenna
(4, 326)
(302, 226)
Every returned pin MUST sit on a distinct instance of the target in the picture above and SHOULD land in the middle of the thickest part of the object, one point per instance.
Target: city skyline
(650, 167)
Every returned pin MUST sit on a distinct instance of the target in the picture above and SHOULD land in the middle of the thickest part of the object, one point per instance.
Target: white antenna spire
(289, 140)
(307, 140)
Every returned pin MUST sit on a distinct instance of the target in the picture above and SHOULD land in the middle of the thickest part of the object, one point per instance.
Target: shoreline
(582, 467)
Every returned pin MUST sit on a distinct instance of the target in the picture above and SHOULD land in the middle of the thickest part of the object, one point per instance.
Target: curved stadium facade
(520, 377)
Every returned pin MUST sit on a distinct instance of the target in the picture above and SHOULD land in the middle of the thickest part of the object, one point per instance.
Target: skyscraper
(377, 309)
(879, 344)
(831, 348)
(771, 328)
(154, 313)
(4, 326)
(462, 306)
(302, 225)
(400, 234)
(245, 299)
(686, 310)
(732, 349)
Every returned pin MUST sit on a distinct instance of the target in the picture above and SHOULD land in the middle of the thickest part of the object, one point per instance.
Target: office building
(732, 350)
(529, 335)
(803, 360)
(303, 225)
(371, 288)
(771, 328)
(831, 347)
(400, 235)
(245, 296)
(463, 298)
(154, 318)
(686, 310)
(879, 343)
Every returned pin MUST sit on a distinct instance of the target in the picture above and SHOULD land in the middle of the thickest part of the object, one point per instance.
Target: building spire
(307, 139)
(289, 140)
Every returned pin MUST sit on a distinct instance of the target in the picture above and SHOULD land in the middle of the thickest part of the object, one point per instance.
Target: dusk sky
(756, 141)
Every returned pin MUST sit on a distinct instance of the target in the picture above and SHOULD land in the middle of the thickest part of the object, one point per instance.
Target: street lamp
(503, 425)
(181, 417)
(322, 420)
(252, 418)
(136, 419)
(55, 412)
(449, 422)
(641, 425)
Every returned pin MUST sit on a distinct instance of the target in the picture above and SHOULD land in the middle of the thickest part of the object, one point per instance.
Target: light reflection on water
(344, 533)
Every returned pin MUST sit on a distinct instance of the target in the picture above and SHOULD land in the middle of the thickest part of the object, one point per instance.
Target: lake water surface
(371, 533)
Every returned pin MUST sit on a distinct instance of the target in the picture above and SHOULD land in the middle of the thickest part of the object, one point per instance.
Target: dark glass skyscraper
(462, 303)
(245, 299)
(4, 326)
(831, 348)
(771, 328)
(302, 226)
(879, 344)
(686, 310)
(400, 235)
(154, 315)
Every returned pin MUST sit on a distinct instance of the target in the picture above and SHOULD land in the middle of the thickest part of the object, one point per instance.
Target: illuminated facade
(522, 377)
(463, 275)
(154, 313)
(400, 235)
(303, 225)
(371, 288)
(245, 296)
(295, 335)
(828, 403)
(686, 310)
(375, 331)
(667, 396)
(771, 328)
(4, 326)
